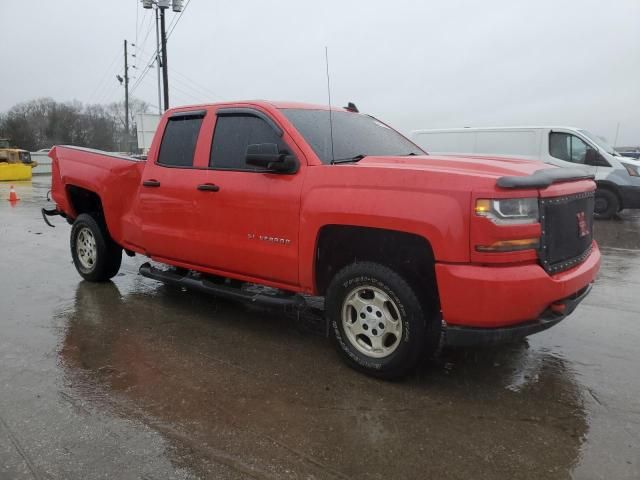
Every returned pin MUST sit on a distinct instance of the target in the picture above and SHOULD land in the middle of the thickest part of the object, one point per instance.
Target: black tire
(107, 256)
(606, 204)
(411, 343)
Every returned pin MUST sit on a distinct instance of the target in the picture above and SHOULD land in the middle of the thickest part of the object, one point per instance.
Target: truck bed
(113, 177)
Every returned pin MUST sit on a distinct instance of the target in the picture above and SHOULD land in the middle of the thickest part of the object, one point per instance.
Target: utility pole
(165, 73)
(126, 96)
(158, 64)
(615, 141)
(162, 5)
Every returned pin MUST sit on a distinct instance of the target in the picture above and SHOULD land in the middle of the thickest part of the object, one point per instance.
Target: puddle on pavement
(222, 381)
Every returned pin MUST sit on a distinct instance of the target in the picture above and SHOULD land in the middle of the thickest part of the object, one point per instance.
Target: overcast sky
(415, 64)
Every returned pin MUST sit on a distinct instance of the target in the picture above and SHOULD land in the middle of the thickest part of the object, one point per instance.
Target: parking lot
(134, 379)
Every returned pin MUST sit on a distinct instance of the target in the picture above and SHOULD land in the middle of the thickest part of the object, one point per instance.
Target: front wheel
(606, 204)
(377, 322)
(96, 256)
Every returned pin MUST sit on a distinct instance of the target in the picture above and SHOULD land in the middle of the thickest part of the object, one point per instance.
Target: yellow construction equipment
(15, 163)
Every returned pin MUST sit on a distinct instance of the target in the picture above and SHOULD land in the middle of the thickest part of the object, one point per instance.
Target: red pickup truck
(410, 251)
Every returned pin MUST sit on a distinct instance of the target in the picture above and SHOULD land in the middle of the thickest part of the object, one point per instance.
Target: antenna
(326, 59)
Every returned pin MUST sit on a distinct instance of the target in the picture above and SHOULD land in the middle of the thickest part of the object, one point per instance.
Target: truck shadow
(252, 390)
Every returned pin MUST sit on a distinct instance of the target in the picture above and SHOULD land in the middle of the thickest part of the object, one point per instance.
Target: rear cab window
(179, 140)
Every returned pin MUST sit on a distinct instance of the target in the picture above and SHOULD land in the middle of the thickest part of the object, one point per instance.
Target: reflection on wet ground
(133, 379)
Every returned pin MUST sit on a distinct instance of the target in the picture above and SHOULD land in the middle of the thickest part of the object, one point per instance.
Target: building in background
(146, 125)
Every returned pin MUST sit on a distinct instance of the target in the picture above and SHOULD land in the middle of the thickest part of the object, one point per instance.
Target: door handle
(208, 187)
(151, 183)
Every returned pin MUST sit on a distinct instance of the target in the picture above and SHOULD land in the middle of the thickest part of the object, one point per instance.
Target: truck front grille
(567, 230)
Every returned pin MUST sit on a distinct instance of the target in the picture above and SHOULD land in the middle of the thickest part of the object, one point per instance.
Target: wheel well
(408, 254)
(85, 201)
(603, 185)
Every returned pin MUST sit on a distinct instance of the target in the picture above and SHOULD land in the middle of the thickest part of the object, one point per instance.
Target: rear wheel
(376, 320)
(606, 204)
(96, 256)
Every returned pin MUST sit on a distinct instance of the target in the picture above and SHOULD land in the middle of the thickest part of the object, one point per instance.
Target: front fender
(441, 217)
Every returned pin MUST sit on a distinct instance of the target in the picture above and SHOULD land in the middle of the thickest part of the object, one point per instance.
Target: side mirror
(592, 157)
(267, 155)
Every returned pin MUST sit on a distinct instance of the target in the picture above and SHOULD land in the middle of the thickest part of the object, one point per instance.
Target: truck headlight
(631, 169)
(508, 211)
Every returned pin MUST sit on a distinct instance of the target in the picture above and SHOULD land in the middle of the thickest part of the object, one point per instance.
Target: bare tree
(44, 122)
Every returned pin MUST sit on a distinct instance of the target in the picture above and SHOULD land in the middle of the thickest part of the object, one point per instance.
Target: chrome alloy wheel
(86, 249)
(371, 321)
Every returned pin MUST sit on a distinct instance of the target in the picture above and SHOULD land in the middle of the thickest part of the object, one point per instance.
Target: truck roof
(264, 104)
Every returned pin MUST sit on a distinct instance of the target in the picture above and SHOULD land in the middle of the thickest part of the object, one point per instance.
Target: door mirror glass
(262, 154)
(593, 157)
(267, 155)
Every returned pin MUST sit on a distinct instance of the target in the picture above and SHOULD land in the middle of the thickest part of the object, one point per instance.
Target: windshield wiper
(357, 158)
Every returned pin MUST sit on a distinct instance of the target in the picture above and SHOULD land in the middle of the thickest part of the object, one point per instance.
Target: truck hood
(487, 167)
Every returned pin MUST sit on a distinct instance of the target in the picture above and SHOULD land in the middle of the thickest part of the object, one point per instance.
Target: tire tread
(400, 363)
(109, 253)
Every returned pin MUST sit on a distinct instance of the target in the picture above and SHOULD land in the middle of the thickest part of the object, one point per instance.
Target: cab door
(569, 150)
(168, 200)
(251, 223)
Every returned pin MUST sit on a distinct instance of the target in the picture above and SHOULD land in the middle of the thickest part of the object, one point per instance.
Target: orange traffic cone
(13, 196)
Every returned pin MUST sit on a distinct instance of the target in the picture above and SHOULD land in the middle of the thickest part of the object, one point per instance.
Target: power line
(137, 25)
(186, 83)
(101, 83)
(195, 86)
(190, 83)
(109, 93)
(190, 95)
(183, 94)
(145, 70)
(186, 5)
(102, 90)
(144, 41)
(172, 27)
(153, 58)
(143, 80)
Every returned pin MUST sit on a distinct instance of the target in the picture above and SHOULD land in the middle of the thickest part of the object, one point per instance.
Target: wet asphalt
(136, 380)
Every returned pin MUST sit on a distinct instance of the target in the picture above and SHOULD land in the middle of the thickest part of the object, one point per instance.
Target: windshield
(354, 134)
(600, 143)
(4, 143)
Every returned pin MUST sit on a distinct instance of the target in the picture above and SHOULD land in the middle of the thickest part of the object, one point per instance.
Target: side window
(567, 147)
(233, 134)
(179, 141)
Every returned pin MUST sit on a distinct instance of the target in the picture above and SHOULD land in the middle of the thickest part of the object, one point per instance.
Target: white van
(618, 177)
